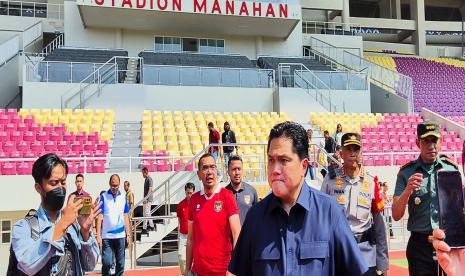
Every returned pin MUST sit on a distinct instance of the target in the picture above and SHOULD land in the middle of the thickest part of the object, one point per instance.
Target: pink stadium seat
(99, 167)
(16, 136)
(71, 167)
(50, 146)
(100, 153)
(63, 146)
(16, 154)
(148, 164)
(24, 168)
(37, 146)
(72, 154)
(102, 145)
(162, 165)
(177, 165)
(77, 146)
(81, 137)
(68, 137)
(92, 137)
(29, 136)
(34, 127)
(23, 146)
(8, 146)
(42, 136)
(22, 127)
(9, 168)
(30, 154)
(55, 136)
(89, 146)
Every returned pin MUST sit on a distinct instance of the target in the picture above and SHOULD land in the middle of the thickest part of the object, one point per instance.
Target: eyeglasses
(55, 182)
(205, 168)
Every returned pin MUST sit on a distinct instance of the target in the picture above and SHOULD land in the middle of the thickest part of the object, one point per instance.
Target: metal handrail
(332, 107)
(406, 90)
(55, 43)
(86, 83)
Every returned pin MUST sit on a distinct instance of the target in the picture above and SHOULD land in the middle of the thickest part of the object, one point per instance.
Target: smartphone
(86, 205)
(451, 207)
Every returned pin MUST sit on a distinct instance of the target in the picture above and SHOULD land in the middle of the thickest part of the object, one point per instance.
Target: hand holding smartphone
(86, 205)
(451, 207)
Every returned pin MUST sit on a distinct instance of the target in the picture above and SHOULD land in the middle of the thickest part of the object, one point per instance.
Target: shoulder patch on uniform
(408, 164)
(449, 161)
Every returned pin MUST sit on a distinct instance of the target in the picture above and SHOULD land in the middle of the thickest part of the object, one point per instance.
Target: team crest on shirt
(218, 206)
(247, 199)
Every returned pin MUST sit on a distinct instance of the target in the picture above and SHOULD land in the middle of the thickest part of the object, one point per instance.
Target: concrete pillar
(417, 11)
(345, 14)
(119, 38)
(397, 9)
(258, 46)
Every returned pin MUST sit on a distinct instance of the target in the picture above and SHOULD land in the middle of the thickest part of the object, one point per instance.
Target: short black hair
(205, 155)
(210, 124)
(114, 175)
(145, 170)
(79, 175)
(189, 185)
(234, 158)
(43, 166)
(226, 123)
(326, 132)
(129, 184)
(294, 132)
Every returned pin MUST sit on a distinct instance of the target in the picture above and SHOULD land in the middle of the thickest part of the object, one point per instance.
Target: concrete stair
(126, 142)
(131, 73)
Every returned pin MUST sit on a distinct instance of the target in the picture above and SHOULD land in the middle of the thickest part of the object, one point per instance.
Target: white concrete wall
(444, 122)
(298, 104)
(9, 81)
(129, 101)
(135, 41)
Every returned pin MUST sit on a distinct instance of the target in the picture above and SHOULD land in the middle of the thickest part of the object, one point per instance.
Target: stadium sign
(213, 7)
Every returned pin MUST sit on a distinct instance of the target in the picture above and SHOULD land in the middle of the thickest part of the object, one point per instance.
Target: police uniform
(362, 202)
(423, 205)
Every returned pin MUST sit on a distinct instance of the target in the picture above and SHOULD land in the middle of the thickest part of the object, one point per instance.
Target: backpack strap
(33, 220)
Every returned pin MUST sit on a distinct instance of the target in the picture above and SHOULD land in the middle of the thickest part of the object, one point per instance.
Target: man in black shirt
(228, 136)
(330, 144)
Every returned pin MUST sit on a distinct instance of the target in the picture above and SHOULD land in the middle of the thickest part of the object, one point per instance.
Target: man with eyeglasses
(54, 240)
(416, 188)
(113, 230)
(213, 217)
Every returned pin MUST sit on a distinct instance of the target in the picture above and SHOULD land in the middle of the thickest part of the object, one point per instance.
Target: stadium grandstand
(117, 86)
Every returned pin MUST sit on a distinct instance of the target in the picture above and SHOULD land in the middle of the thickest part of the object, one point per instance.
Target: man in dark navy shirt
(296, 230)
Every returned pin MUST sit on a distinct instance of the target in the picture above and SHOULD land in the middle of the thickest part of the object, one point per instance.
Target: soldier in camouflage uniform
(416, 187)
(358, 193)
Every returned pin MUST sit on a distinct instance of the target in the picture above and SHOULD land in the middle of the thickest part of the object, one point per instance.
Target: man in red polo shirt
(213, 216)
(183, 214)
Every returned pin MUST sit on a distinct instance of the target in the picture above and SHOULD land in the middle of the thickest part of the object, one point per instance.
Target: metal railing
(291, 75)
(343, 80)
(394, 156)
(55, 43)
(58, 71)
(334, 28)
(110, 72)
(348, 59)
(32, 9)
(208, 76)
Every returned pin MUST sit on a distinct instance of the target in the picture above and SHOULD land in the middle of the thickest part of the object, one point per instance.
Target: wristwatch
(379, 272)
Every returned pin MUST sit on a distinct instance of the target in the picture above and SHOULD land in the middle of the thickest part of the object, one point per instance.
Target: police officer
(359, 194)
(416, 187)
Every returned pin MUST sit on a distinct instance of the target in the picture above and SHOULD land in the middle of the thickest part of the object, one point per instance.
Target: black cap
(351, 138)
(428, 128)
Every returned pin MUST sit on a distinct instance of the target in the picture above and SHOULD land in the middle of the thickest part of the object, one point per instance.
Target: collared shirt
(148, 183)
(214, 138)
(209, 216)
(33, 255)
(314, 239)
(182, 212)
(130, 198)
(422, 204)
(246, 197)
(356, 195)
(113, 207)
(79, 194)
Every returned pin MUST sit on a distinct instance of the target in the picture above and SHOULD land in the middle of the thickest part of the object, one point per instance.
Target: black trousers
(420, 253)
(371, 271)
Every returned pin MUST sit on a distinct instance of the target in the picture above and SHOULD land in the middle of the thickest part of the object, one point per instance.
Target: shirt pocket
(363, 208)
(267, 260)
(312, 257)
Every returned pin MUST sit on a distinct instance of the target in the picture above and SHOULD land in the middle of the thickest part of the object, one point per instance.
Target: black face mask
(54, 199)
